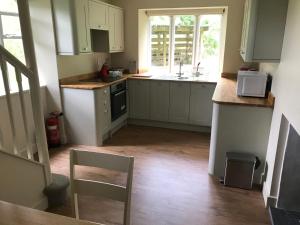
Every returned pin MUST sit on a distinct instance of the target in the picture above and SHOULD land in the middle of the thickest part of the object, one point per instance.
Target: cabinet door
(111, 31)
(82, 28)
(201, 104)
(98, 14)
(139, 99)
(159, 100)
(116, 30)
(103, 111)
(249, 29)
(245, 28)
(106, 110)
(119, 30)
(179, 102)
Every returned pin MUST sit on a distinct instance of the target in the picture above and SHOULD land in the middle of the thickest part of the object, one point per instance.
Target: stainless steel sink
(182, 78)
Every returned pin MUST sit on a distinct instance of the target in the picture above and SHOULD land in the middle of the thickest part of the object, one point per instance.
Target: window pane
(15, 46)
(184, 38)
(11, 25)
(209, 46)
(160, 39)
(9, 6)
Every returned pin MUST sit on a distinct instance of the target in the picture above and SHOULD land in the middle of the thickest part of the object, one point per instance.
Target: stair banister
(27, 36)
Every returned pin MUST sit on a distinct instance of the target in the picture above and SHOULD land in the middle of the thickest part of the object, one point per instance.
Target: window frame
(197, 13)
(7, 36)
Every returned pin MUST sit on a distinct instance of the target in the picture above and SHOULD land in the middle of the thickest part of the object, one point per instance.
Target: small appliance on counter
(110, 74)
(253, 84)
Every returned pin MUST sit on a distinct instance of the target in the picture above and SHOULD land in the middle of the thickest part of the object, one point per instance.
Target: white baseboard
(42, 204)
(270, 201)
(168, 125)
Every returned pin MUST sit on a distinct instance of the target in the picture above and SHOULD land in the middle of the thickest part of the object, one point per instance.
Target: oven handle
(119, 93)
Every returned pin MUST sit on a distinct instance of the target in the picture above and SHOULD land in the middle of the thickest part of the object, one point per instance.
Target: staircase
(22, 177)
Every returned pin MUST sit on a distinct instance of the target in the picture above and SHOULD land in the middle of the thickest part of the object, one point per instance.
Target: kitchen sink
(183, 78)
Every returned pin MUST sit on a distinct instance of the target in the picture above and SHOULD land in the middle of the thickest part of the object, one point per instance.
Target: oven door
(118, 104)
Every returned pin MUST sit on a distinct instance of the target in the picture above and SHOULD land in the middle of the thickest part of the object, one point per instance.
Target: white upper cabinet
(263, 30)
(74, 19)
(98, 15)
(116, 29)
(71, 25)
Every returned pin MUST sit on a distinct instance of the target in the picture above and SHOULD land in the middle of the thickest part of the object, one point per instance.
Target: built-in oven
(118, 98)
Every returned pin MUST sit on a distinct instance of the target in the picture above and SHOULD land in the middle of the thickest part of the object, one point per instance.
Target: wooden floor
(171, 185)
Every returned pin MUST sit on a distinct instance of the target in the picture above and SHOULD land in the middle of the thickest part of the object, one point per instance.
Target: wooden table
(18, 215)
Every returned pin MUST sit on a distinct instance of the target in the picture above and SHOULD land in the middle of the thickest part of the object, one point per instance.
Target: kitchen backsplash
(80, 64)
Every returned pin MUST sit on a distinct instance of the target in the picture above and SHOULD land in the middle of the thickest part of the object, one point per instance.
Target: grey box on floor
(239, 169)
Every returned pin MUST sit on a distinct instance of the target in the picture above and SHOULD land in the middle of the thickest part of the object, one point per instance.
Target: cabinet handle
(99, 26)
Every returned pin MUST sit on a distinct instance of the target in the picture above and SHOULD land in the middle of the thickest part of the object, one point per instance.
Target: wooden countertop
(18, 215)
(225, 93)
(81, 81)
(90, 85)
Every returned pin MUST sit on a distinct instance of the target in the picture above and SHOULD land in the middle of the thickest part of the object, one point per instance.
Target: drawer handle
(120, 93)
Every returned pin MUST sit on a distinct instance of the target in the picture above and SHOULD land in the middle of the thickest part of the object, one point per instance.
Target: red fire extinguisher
(52, 129)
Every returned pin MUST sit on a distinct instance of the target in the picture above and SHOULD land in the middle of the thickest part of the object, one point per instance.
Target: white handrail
(7, 56)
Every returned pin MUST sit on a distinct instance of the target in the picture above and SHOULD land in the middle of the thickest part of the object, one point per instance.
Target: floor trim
(175, 126)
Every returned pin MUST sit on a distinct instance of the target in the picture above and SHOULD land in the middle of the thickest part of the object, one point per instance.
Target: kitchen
(175, 84)
(175, 94)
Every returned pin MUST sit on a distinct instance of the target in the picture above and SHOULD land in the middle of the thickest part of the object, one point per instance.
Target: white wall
(232, 59)
(69, 66)
(242, 137)
(44, 41)
(286, 86)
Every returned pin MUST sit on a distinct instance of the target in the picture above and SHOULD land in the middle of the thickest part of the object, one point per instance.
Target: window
(11, 38)
(160, 42)
(194, 40)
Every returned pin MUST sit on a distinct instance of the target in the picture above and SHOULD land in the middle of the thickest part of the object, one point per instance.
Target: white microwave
(251, 83)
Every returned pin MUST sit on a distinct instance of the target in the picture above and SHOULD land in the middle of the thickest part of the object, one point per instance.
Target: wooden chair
(96, 188)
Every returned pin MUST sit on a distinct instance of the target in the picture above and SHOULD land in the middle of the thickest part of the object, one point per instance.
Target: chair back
(97, 188)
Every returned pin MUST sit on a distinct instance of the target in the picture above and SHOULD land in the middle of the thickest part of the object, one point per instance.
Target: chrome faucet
(197, 70)
(180, 67)
(198, 67)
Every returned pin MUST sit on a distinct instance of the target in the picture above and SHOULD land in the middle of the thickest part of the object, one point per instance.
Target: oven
(118, 99)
